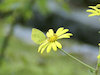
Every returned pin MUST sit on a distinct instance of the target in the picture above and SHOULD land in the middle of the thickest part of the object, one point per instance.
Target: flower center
(53, 38)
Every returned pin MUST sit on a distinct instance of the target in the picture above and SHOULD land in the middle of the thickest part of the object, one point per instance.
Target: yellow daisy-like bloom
(99, 44)
(95, 10)
(51, 41)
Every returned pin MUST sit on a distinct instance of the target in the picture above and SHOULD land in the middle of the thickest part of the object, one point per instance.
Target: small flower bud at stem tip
(99, 44)
(98, 56)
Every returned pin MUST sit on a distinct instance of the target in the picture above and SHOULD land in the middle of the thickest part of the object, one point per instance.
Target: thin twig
(5, 43)
(78, 60)
(98, 66)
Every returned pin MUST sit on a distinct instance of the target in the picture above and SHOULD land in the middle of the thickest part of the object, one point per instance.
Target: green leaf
(91, 70)
(99, 64)
(37, 36)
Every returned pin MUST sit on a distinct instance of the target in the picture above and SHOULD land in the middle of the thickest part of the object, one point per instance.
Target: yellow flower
(51, 40)
(95, 10)
(98, 56)
(99, 44)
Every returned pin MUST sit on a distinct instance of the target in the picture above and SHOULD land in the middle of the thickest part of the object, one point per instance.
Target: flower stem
(98, 62)
(93, 69)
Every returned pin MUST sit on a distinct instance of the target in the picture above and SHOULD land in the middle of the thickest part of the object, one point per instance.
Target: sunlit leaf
(37, 36)
(99, 64)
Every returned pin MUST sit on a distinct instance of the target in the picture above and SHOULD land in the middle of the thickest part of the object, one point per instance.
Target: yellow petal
(92, 15)
(44, 48)
(94, 7)
(59, 30)
(47, 34)
(49, 48)
(98, 5)
(92, 11)
(67, 35)
(51, 32)
(58, 44)
(42, 45)
(54, 46)
(62, 32)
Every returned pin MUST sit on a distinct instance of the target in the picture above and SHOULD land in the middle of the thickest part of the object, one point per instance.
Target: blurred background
(18, 53)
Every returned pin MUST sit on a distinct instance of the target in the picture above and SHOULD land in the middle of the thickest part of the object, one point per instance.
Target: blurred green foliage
(12, 9)
(15, 8)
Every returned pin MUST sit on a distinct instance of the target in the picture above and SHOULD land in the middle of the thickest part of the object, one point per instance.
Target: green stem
(78, 60)
(98, 66)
